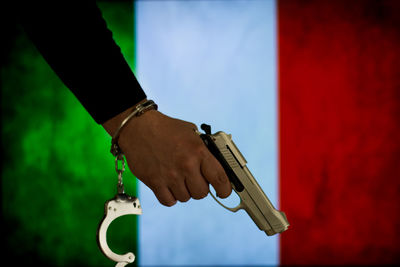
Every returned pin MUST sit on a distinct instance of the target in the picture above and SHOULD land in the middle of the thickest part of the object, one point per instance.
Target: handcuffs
(122, 204)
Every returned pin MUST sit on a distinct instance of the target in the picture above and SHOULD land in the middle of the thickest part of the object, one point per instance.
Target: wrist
(137, 111)
(112, 125)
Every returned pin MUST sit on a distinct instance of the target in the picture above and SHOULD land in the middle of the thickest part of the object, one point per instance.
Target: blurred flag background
(310, 91)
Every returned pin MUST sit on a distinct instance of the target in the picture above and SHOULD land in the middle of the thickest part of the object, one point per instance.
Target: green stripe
(119, 16)
(57, 170)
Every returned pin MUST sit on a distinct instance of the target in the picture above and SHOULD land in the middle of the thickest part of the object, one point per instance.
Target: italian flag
(309, 90)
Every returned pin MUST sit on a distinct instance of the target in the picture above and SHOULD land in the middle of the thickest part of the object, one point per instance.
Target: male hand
(169, 157)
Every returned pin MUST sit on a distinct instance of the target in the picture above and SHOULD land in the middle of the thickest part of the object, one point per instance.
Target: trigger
(235, 209)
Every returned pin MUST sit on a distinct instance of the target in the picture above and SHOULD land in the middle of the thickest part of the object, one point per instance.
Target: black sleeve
(74, 39)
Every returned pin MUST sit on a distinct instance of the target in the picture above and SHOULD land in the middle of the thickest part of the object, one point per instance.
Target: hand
(169, 157)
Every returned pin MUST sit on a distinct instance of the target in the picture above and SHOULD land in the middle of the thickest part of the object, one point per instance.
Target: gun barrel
(263, 213)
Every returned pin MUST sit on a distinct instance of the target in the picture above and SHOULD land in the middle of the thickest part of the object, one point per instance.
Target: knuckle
(221, 178)
(196, 146)
(192, 125)
(172, 176)
(188, 163)
(200, 149)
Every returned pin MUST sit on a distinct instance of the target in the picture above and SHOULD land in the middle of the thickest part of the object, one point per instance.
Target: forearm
(75, 41)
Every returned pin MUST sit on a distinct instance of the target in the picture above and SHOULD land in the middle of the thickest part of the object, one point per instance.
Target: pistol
(252, 198)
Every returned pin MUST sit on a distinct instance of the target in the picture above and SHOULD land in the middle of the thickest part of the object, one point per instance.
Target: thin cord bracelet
(139, 110)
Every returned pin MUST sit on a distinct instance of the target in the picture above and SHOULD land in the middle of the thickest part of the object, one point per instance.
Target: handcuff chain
(116, 150)
(120, 185)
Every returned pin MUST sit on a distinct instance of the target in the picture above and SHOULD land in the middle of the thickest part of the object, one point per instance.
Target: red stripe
(339, 98)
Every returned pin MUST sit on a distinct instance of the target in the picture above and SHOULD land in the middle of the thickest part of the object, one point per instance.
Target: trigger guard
(119, 206)
(235, 209)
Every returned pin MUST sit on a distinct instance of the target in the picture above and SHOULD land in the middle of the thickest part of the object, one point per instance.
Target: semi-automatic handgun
(252, 198)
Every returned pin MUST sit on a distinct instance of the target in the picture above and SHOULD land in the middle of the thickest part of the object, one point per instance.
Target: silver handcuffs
(122, 204)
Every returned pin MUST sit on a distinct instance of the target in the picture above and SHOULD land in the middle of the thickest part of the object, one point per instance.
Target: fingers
(197, 185)
(182, 191)
(214, 173)
(193, 178)
(179, 190)
(165, 196)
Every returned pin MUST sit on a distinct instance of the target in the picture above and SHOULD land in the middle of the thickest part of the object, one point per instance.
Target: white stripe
(212, 62)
